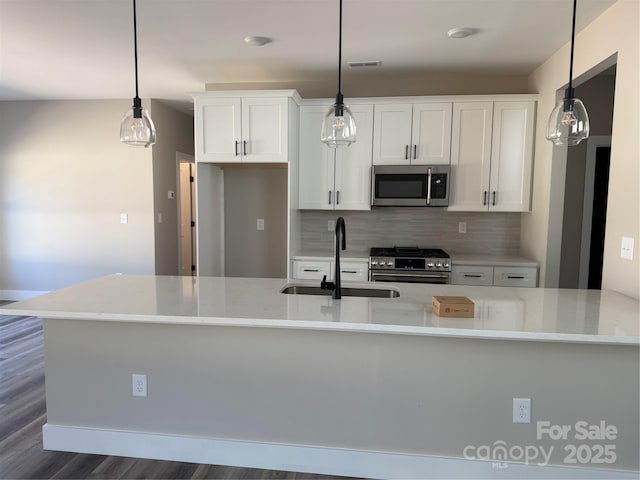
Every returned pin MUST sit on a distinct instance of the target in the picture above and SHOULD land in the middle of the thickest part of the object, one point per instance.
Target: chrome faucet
(336, 284)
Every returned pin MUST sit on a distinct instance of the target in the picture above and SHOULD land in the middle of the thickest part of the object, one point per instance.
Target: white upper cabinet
(242, 129)
(412, 134)
(491, 155)
(334, 178)
(470, 156)
(511, 156)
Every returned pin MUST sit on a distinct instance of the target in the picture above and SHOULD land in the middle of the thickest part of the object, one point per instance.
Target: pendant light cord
(135, 44)
(340, 52)
(573, 39)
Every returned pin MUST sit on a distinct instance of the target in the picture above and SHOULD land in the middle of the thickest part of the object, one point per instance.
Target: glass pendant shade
(137, 128)
(568, 123)
(338, 127)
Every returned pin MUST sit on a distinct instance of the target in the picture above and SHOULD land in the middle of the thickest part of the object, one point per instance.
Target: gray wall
(175, 134)
(487, 233)
(251, 193)
(64, 180)
(597, 95)
(380, 392)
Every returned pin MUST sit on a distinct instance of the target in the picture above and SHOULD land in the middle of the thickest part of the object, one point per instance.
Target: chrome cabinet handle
(349, 271)
(329, 197)
(244, 147)
(520, 277)
(428, 186)
(415, 151)
(494, 198)
(468, 275)
(406, 152)
(337, 197)
(237, 148)
(484, 198)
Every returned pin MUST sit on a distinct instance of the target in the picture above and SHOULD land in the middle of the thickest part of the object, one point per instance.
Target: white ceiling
(83, 49)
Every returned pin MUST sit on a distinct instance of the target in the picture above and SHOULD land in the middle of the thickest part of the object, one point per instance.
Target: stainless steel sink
(359, 291)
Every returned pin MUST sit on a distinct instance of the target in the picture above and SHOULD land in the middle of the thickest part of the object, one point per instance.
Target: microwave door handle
(428, 186)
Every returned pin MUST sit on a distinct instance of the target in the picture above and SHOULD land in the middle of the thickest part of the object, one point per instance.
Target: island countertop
(534, 314)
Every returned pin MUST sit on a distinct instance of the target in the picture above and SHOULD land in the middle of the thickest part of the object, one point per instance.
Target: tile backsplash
(487, 233)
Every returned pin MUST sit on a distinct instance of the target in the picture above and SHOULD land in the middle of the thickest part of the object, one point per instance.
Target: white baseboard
(329, 461)
(17, 295)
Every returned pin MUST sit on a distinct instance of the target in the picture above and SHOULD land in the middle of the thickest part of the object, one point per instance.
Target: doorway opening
(586, 188)
(186, 215)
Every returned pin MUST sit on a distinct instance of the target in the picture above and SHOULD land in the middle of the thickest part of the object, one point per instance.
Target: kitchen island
(241, 374)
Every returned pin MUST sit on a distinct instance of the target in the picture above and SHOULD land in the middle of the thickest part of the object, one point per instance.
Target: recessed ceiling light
(257, 41)
(365, 63)
(460, 32)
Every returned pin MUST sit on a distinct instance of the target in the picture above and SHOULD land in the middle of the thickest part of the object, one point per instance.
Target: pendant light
(569, 122)
(137, 128)
(338, 126)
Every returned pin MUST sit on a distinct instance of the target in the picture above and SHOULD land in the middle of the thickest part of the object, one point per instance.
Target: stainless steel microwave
(410, 186)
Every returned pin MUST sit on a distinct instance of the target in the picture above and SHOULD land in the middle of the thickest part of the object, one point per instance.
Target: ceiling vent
(369, 63)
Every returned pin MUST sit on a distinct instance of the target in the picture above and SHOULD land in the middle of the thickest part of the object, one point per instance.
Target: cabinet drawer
(471, 275)
(515, 277)
(311, 270)
(354, 271)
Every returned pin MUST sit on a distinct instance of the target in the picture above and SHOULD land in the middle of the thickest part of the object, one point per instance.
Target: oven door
(402, 276)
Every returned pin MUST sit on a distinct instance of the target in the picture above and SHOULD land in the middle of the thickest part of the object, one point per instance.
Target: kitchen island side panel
(363, 391)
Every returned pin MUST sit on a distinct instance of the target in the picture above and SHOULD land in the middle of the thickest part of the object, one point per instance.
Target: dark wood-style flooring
(23, 413)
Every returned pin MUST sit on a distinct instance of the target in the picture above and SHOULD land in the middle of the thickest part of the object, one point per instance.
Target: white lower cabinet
(515, 277)
(471, 275)
(351, 270)
(311, 270)
(486, 275)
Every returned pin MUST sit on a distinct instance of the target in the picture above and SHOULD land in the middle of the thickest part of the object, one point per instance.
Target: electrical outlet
(124, 218)
(331, 225)
(521, 410)
(159, 217)
(260, 224)
(139, 385)
(171, 194)
(462, 227)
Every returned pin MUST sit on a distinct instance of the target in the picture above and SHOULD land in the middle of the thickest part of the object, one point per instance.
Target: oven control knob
(374, 262)
(430, 265)
(438, 265)
(390, 264)
(446, 265)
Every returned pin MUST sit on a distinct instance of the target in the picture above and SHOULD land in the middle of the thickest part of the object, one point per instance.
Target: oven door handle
(410, 275)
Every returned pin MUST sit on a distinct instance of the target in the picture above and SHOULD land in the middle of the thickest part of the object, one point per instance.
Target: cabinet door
(311, 270)
(264, 130)
(471, 275)
(316, 162)
(354, 271)
(353, 165)
(511, 156)
(515, 277)
(431, 134)
(391, 134)
(218, 127)
(470, 156)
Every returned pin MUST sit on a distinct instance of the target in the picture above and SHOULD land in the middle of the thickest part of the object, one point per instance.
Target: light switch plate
(124, 218)
(260, 224)
(626, 251)
(462, 227)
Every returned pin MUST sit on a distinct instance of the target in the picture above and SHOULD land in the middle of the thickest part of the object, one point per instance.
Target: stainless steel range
(410, 265)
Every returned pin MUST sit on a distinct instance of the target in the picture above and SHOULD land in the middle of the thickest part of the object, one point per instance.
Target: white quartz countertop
(492, 260)
(558, 315)
(329, 255)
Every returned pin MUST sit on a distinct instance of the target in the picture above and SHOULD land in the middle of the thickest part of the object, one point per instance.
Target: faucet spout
(340, 235)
